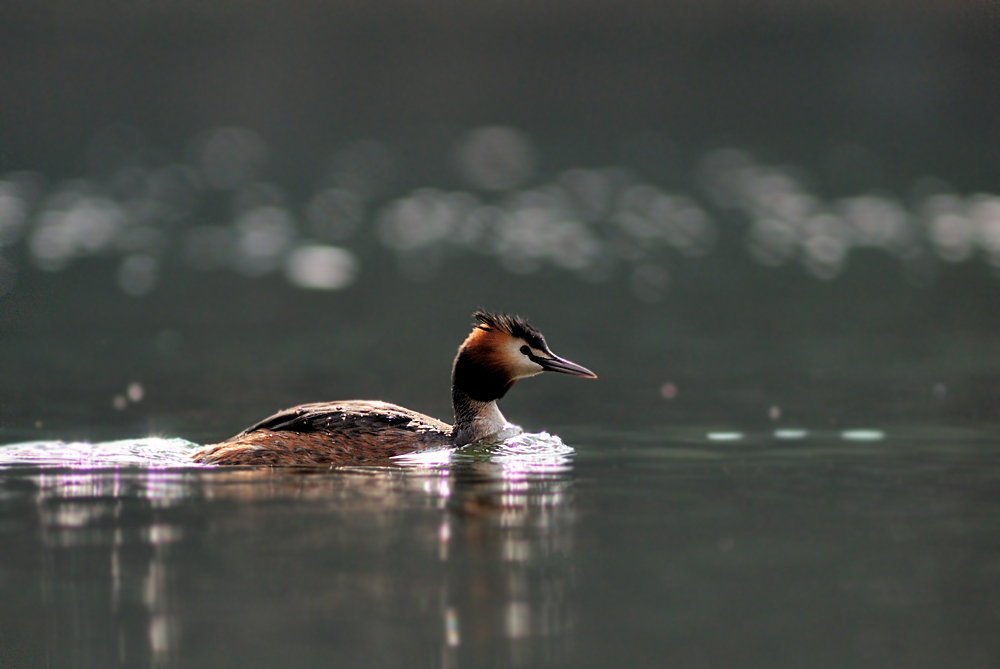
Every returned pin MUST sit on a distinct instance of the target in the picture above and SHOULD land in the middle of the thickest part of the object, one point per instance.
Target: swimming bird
(500, 350)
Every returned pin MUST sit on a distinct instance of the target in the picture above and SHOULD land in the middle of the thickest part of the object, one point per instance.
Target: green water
(641, 549)
(804, 480)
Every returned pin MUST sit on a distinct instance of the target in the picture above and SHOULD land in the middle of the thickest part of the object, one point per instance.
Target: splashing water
(540, 451)
(154, 452)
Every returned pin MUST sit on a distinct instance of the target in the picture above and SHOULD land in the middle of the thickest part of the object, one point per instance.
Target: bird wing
(321, 416)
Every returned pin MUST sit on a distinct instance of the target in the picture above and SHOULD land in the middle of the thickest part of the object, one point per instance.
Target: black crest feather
(515, 326)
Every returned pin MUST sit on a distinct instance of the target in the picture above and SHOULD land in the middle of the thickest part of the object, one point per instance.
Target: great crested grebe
(500, 350)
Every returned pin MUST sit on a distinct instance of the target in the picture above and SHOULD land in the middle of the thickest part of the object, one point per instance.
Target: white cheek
(528, 368)
(521, 365)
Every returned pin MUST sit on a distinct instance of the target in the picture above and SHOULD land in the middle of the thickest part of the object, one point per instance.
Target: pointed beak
(557, 364)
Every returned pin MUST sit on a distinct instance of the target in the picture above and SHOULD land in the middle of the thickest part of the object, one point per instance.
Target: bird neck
(474, 419)
(476, 385)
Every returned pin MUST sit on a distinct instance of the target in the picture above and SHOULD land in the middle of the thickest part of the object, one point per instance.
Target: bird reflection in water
(106, 564)
(433, 558)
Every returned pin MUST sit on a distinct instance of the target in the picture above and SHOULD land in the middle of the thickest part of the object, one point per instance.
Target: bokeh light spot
(321, 267)
(262, 237)
(135, 392)
(13, 214)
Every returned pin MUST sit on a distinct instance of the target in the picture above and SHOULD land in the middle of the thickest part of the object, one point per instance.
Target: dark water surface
(648, 548)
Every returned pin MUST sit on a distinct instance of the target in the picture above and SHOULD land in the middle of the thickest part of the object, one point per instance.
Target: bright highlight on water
(582, 220)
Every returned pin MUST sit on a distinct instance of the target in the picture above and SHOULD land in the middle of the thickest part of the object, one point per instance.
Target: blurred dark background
(737, 213)
(914, 81)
